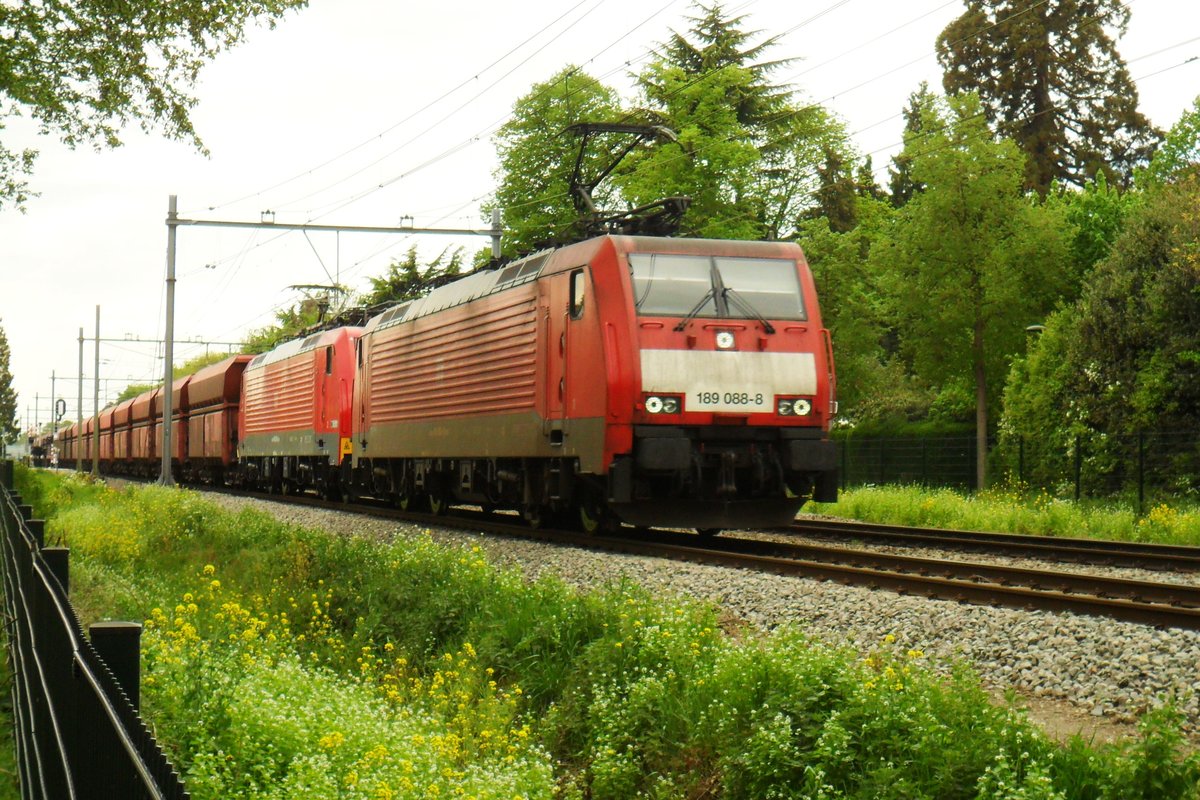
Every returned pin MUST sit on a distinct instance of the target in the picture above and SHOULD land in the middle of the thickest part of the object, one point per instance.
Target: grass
(285, 662)
(1014, 510)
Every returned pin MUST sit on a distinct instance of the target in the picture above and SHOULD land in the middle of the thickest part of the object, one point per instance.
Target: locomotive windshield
(701, 286)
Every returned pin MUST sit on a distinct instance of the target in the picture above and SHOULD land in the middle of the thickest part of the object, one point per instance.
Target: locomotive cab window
(578, 289)
(715, 287)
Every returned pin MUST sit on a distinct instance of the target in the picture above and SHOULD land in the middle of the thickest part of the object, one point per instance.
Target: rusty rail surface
(1144, 602)
(1100, 552)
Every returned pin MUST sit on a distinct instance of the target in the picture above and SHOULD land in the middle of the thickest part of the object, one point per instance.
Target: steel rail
(1101, 552)
(1144, 602)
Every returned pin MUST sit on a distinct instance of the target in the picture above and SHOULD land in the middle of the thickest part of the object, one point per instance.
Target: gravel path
(1076, 673)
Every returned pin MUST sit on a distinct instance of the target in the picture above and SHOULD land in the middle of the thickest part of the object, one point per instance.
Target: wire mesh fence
(1139, 468)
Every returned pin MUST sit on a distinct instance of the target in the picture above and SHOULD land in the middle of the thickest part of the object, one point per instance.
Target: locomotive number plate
(743, 400)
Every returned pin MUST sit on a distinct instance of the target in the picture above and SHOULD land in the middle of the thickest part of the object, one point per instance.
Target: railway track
(1145, 602)
(1098, 552)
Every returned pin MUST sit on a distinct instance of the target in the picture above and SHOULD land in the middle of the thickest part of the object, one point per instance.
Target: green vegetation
(1053, 82)
(85, 71)
(1009, 510)
(283, 662)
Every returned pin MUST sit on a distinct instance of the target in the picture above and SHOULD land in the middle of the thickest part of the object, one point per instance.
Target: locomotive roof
(464, 290)
(479, 284)
(301, 345)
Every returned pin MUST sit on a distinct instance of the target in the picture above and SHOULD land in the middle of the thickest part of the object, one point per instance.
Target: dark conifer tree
(1051, 79)
(865, 184)
(836, 193)
(901, 185)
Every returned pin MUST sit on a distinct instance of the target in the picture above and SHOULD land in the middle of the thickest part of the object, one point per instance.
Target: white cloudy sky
(360, 112)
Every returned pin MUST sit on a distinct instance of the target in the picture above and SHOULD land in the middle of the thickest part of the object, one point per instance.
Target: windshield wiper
(695, 312)
(743, 305)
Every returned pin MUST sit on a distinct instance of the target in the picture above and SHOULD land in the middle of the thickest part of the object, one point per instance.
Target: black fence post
(924, 462)
(57, 558)
(1141, 472)
(1079, 464)
(845, 463)
(1021, 460)
(75, 733)
(119, 645)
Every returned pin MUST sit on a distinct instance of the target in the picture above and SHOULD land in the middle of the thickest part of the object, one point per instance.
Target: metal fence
(1137, 468)
(74, 700)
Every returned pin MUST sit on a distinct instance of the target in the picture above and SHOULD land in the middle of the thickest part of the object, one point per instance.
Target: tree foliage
(970, 261)
(1180, 150)
(537, 155)
(901, 184)
(408, 279)
(1126, 355)
(82, 71)
(1052, 80)
(9, 428)
(290, 322)
(748, 151)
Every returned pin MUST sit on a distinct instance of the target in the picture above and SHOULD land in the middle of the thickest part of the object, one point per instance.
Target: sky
(381, 114)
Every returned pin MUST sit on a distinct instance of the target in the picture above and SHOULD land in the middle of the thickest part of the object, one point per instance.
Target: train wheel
(536, 516)
(595, 517)
(438, 505)
(413, 502)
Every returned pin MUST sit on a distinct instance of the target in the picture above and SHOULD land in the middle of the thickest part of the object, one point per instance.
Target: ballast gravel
(1108, 671)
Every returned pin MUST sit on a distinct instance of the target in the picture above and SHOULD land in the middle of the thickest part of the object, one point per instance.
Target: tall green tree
(971, 261)
(537, 156)
(837, 193)
(1052, 80)
(83, 70)
(1096, 214)
(1125, 357)
(1179, 153)
(748, 150)
(9, 429)
(901, 185)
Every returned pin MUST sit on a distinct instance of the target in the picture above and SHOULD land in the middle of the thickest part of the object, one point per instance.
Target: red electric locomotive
(657, 381)
(295, 422)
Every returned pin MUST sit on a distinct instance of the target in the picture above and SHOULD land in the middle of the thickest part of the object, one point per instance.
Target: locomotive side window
(769, 286)
(578, 287)
(329, 360)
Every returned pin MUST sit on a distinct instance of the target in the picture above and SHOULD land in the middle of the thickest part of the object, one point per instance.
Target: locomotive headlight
(663, 405)
(724, 339)
(793, 407)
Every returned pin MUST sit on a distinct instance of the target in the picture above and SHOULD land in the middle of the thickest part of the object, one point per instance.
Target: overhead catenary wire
(445, 95)
(843, 92)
